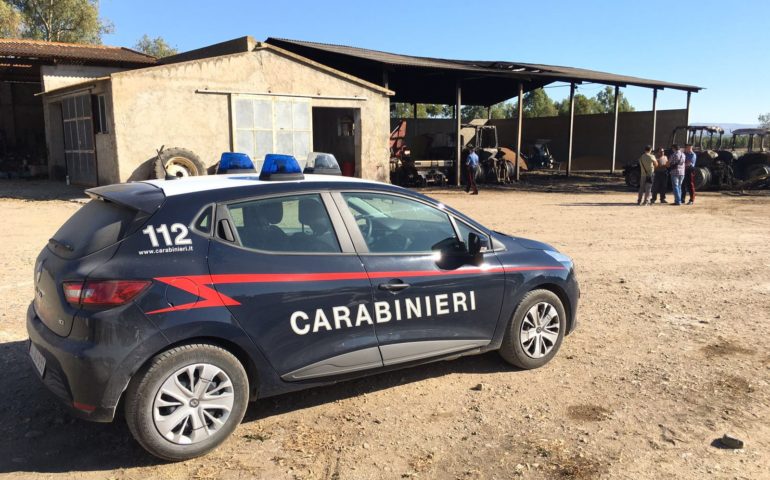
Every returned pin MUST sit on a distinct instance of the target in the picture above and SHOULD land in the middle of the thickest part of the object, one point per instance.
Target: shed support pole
(687, 115)
(415, 111)
(615, 130)
(571, 126)
(458, 126)
(654, 114)
(519, 121)
(489, 113)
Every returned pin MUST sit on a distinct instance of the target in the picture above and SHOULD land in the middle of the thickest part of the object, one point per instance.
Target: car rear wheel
(535, 331)
(187, 401)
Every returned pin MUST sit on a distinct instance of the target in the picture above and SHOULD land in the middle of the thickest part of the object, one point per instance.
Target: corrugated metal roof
(536, 72)
(24, 49)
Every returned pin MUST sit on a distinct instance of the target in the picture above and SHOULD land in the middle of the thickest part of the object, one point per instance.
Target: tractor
(755, 162)
(713, 165)
(493, 167)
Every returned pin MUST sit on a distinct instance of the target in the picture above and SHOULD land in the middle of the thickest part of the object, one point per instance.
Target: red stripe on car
(209, 297)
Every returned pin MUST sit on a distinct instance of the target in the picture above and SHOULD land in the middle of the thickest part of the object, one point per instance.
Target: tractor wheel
(757, 170)
(179, 163)
(632, 178)
(702, 178)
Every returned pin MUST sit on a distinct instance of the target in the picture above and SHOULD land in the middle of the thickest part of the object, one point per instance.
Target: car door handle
(394, 286)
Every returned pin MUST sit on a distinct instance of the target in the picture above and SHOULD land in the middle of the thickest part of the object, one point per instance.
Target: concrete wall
(163, 105)
(57, 76)
(592, 137)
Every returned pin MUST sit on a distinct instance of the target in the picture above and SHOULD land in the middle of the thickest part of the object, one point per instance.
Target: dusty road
(671, 352)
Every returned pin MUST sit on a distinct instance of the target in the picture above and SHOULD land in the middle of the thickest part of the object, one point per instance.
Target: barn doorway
(338, 131)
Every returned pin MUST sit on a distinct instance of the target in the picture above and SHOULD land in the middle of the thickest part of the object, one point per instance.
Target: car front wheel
(535, 331)
(187, 401)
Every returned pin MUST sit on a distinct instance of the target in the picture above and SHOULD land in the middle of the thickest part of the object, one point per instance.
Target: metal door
(422, 309)
(79, 150)
(298, 304)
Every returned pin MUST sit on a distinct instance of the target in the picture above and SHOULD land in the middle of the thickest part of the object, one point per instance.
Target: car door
(287, 270)
(421, 309)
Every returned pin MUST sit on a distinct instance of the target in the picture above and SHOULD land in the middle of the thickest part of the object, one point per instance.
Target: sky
(720, 46)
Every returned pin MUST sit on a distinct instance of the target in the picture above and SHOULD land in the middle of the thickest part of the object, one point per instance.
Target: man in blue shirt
(688, 184)
(471, 164)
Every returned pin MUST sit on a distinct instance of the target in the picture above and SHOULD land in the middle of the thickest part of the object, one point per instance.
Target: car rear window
(97, 225)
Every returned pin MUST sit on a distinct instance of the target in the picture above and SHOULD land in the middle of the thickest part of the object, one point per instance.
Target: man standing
(688, 184)
(676, 167)
(647, 164)
(471, 164)
(660, 180)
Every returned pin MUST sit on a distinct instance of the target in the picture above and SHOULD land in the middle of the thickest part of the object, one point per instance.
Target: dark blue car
(188, 298)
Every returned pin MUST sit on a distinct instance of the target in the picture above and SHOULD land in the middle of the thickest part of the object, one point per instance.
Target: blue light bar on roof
(233, 162)
(280, 167)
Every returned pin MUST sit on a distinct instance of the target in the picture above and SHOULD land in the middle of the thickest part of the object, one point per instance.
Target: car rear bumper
(89, 376)
(67, 372)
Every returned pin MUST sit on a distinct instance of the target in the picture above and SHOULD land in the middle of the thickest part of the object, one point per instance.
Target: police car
(185, 299)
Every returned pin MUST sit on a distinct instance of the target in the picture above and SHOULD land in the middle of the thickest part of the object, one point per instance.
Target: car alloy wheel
(539, 330)
(193, 403)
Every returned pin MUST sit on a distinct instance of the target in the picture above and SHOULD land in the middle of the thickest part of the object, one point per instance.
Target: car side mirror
(474, 244)
(454, 254)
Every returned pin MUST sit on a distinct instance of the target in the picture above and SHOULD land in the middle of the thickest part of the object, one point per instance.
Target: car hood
(523, 242)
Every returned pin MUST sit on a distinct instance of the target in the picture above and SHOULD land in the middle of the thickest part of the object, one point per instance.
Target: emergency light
(233, 162)
(280, 167)
(322, 163)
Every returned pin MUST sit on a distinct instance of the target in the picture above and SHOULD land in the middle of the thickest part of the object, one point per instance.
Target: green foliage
(72, 21)
(606, 99)
(157, 47)
(537, 103)
(10, 21)
(764, 120)
(741, 141)
(583, 105)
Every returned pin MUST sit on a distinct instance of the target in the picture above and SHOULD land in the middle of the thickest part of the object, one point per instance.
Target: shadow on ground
(38, 435)
(40, 190)
(552, 183)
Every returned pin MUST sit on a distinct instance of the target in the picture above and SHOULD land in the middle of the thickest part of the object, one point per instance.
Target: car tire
(533, 318)
(168, 383)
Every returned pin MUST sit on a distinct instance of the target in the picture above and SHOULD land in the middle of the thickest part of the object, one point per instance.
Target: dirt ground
(671, 352)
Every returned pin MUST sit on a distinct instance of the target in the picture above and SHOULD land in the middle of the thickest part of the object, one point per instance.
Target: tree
(157, 47)
(424, 110)
(10, 21)
(537, 103)
(72, 21)
(764, 120)
(583, 105)
(606, 99)
(505, 110)
(469, 112)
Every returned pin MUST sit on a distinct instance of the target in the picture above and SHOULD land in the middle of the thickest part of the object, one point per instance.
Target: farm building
(106, 122)
(240, 96)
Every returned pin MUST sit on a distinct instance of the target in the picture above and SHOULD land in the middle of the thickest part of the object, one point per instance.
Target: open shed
(471, 82)
(28, 67)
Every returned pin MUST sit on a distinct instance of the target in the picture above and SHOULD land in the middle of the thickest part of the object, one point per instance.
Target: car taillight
(103, 292)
